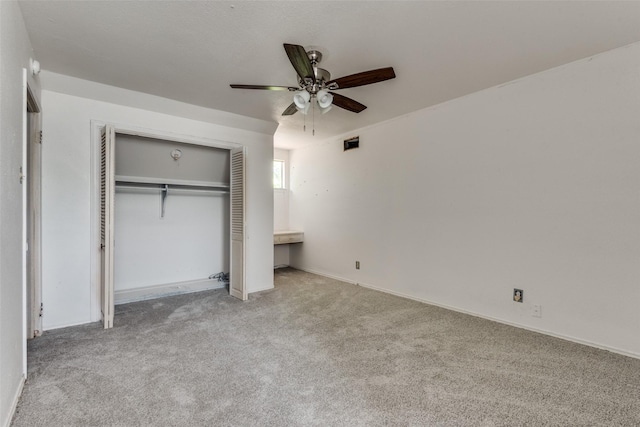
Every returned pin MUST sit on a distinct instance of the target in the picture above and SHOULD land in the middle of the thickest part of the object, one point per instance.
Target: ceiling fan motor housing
(322, 76)
(315, 57)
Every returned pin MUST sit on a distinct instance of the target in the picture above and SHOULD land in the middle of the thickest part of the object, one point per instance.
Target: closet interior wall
(171, 217)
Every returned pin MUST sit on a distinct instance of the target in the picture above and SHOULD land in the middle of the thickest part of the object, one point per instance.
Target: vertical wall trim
(24, 163)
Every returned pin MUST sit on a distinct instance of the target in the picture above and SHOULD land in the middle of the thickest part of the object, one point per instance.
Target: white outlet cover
(536, 310)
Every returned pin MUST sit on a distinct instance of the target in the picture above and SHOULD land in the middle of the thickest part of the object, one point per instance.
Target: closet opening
(171, 218)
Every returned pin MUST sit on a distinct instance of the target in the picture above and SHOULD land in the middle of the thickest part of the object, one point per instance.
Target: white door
(237, 279)
(107, 197)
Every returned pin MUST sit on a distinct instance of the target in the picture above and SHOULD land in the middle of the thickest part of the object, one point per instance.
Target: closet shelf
(166, 186)
(129, 180)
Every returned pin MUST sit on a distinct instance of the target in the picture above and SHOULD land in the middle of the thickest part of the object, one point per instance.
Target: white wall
(15, 50)
(534, 184)
(191, 241)
(69, 287)
(281, 210)
(151, 158)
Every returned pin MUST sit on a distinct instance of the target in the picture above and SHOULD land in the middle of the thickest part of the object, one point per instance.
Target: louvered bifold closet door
(107, 196)
(237, 280)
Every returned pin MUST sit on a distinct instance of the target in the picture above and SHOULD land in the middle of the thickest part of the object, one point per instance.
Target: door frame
(32, 204)
(128, 129)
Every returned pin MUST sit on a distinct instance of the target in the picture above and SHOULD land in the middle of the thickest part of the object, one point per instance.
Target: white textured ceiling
(192, 51)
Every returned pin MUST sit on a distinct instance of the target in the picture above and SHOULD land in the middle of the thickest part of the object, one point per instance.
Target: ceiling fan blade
(291, 110)
(347, 103)
(361, 79)
(300, 61)
(264, 87)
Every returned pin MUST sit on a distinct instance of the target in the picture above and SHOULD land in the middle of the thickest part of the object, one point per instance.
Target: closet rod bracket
(165, 193)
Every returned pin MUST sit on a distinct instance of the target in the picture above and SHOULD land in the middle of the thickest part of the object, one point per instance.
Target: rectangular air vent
(351, 143)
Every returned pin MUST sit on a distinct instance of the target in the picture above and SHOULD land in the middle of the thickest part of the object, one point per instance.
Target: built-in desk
(287, 236)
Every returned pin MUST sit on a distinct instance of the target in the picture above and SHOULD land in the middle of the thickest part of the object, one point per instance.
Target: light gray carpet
(315, 351)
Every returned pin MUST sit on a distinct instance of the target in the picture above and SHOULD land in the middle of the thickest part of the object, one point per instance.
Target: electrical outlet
(536, 310)
(357, 265)
(518, 295)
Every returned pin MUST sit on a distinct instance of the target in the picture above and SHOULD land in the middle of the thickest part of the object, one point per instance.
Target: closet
(172, 218)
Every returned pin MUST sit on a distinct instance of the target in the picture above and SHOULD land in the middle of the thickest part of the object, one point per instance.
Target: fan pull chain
(313, 117)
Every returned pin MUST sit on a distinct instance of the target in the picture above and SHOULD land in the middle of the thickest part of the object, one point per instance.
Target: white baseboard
(14, 404)
(252, 291)
(156, 291)
(494, 319)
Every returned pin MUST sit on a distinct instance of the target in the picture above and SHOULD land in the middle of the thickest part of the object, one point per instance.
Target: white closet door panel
(107, 197)
(237, 280)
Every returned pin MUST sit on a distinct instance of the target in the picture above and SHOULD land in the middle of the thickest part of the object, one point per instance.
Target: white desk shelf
(288, 236)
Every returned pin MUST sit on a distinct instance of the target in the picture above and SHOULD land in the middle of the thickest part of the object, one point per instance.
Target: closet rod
(173, 189)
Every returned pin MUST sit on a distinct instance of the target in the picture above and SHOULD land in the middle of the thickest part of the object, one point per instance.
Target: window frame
(283, 178)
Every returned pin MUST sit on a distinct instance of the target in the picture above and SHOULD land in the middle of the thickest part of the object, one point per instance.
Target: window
(278, 174)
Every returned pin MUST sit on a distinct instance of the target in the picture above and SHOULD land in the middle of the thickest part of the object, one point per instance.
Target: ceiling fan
(315, 83)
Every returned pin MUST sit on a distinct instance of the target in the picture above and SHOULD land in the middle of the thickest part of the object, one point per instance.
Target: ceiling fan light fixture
(301, 99)
(324, 99)
(324, 110)
(305, 109)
